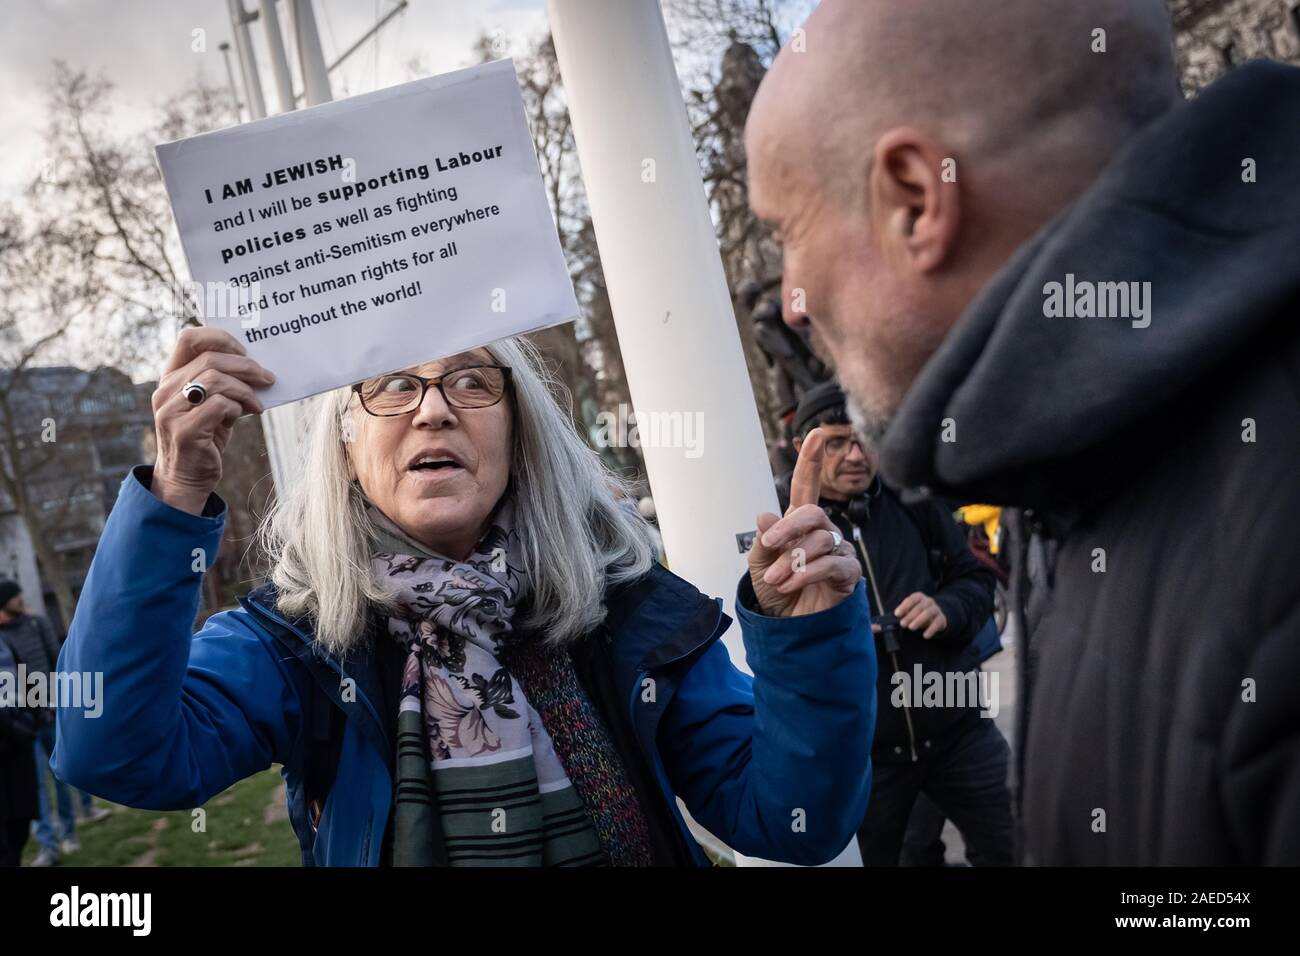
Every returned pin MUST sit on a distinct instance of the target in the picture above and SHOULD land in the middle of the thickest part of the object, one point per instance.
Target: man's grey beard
(870, 426)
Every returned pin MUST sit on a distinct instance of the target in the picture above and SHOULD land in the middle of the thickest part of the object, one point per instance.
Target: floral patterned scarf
(480, 782)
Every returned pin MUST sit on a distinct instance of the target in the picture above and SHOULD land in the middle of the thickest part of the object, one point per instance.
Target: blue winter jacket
(777, 765)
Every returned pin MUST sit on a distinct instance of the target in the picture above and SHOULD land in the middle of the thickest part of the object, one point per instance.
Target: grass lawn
(244, 826)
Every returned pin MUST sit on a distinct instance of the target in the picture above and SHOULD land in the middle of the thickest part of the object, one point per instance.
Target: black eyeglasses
(842, 444)
(477, 386)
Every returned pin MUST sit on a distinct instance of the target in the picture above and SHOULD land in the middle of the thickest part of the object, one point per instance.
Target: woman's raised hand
(800, 564)
(192, 438)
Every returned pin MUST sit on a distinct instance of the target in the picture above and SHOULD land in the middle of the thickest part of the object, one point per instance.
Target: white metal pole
(672, 310)
(230, 78)
(247, 59)
(311, 58)
(279, 425)
(279, 62)
(283, 427)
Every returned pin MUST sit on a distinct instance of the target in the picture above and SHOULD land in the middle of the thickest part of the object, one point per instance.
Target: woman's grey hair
(579, 532)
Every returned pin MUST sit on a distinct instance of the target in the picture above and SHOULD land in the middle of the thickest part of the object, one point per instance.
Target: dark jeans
(923, 840)
(48, 830)
(967, 782)
(13, 837)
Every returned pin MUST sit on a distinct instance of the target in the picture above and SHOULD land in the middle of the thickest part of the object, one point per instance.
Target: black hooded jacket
(1164, 464)
(18, 727)
(33, 643)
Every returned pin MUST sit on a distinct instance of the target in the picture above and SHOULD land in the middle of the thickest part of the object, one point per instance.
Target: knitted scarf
(489, 774)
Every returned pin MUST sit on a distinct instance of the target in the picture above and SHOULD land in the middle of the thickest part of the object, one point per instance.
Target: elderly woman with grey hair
(466, 653)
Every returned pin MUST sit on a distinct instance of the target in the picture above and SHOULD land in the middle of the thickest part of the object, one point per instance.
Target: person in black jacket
(1058, 286)
(35, 643)
(17, 762)
(929, 597)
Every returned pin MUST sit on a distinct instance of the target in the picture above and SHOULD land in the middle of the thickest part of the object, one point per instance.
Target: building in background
(67, 439)
(1213, 36)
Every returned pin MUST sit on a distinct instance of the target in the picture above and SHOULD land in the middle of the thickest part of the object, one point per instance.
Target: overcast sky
(145, 48)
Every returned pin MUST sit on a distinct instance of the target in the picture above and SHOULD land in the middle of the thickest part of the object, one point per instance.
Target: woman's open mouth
(435, 468)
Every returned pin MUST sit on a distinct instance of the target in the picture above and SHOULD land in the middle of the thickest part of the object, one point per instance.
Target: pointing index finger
(806, 485)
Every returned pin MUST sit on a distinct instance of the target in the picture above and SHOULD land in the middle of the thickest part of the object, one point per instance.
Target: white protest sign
(374, 233)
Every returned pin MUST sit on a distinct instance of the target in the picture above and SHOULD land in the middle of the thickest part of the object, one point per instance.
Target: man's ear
(914, 197)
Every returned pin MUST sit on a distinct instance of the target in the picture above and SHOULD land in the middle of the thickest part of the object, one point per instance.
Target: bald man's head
(904, 149)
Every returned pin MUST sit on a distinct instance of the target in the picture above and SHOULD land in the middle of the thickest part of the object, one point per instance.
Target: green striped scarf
(479, 782)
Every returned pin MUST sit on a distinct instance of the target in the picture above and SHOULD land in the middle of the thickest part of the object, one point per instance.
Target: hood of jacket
(1050, 411)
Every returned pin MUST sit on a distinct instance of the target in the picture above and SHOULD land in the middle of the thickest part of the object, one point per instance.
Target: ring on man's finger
(194, 393)
(837, 539)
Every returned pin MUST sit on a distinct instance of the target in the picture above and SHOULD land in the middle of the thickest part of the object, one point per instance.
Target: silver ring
(194, 393)
(837, 539)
